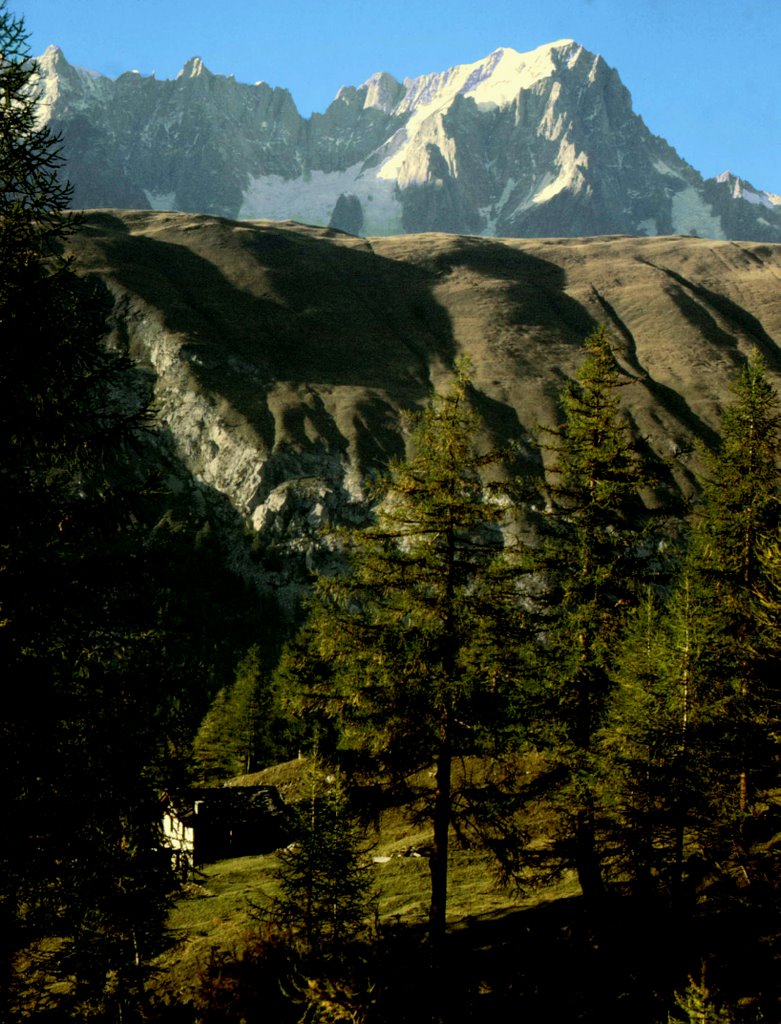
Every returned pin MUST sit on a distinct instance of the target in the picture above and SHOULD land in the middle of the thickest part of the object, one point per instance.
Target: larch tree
(592, 565)
(234, 735)
(659, 745)
(737, 525)
(407, 638)
(769, 594)
(693, 725)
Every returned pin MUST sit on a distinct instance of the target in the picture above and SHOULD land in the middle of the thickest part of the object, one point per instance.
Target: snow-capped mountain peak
(543, 142)
(742, 189)
(495, 80)
(493, 83)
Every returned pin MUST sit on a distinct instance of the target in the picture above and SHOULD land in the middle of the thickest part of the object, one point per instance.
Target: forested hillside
(553, 677)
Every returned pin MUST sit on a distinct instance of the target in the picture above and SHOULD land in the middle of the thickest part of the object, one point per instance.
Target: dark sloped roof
(234, 803)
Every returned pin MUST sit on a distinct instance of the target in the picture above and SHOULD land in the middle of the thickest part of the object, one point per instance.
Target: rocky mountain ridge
(535, 144)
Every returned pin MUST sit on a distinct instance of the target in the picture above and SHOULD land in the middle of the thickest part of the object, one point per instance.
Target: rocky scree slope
(535, 144)
(282, 355)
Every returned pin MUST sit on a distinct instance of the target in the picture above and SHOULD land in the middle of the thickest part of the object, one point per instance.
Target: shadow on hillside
(277, 321)
(552, 962)
(537, 965)
(536, 291)
(312, 345)
(293, 307)
(698, 304)
(549, 962)
(273, 312)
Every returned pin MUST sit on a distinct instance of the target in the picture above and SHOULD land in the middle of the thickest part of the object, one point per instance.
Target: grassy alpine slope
(532, 956)
(216, 914)
(306, 342)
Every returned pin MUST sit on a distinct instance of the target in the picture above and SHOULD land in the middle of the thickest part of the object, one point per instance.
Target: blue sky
(705, 74)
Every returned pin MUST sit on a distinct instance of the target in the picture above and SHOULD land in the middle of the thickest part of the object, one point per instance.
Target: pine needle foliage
(593, 560)
(412, 641)
(691, 739)
(659, 748)
(325, 882)
(90, 695)
(735, 530)
(695, 1005)
(234, 734)
(34, 192)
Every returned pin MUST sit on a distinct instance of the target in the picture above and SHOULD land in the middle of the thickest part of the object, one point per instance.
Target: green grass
(215, 911)
(536, 958)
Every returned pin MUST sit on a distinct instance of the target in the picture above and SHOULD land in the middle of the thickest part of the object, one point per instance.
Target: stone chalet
(207, 824)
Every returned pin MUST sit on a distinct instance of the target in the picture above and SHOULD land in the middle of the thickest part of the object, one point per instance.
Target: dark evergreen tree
(738, 521)
(592, 564)
(235, 736)
(643, 725)
(213, 747)
(90, 683)
(659, 748)
(691, 738)
(410, 642)
(325, 881)
(769, 596)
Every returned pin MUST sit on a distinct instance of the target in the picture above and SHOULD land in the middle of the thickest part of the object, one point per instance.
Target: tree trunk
(587, 861)
(743, 769)
(439, 855)
(679, 848)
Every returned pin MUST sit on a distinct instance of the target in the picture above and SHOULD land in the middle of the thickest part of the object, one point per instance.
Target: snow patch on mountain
(160, 200)
(491, 213)
(311, 199)
(693, 216)
(554, 119)
(572, 165)
(743, 190)
(666, 170)
(519, 144)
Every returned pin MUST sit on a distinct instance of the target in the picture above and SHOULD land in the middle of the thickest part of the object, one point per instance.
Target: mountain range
(537, 144)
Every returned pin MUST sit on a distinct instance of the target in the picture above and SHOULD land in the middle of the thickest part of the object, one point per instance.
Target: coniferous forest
(582, 666)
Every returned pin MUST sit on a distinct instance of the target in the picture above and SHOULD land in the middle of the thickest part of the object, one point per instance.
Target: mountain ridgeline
(282, 356)
(537, 144)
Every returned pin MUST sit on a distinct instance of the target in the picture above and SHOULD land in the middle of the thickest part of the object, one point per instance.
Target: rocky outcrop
(347, 215)
(533, 144)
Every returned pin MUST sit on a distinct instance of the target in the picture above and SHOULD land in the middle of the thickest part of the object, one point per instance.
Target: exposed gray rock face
(347, 215)
(283, 356)
(518, 144)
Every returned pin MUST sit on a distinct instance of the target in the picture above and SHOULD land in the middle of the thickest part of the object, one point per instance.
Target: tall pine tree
(235, 735)
(592, 564)
(737, 525)
(691, 737)
(409, 638)
(659, 749)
